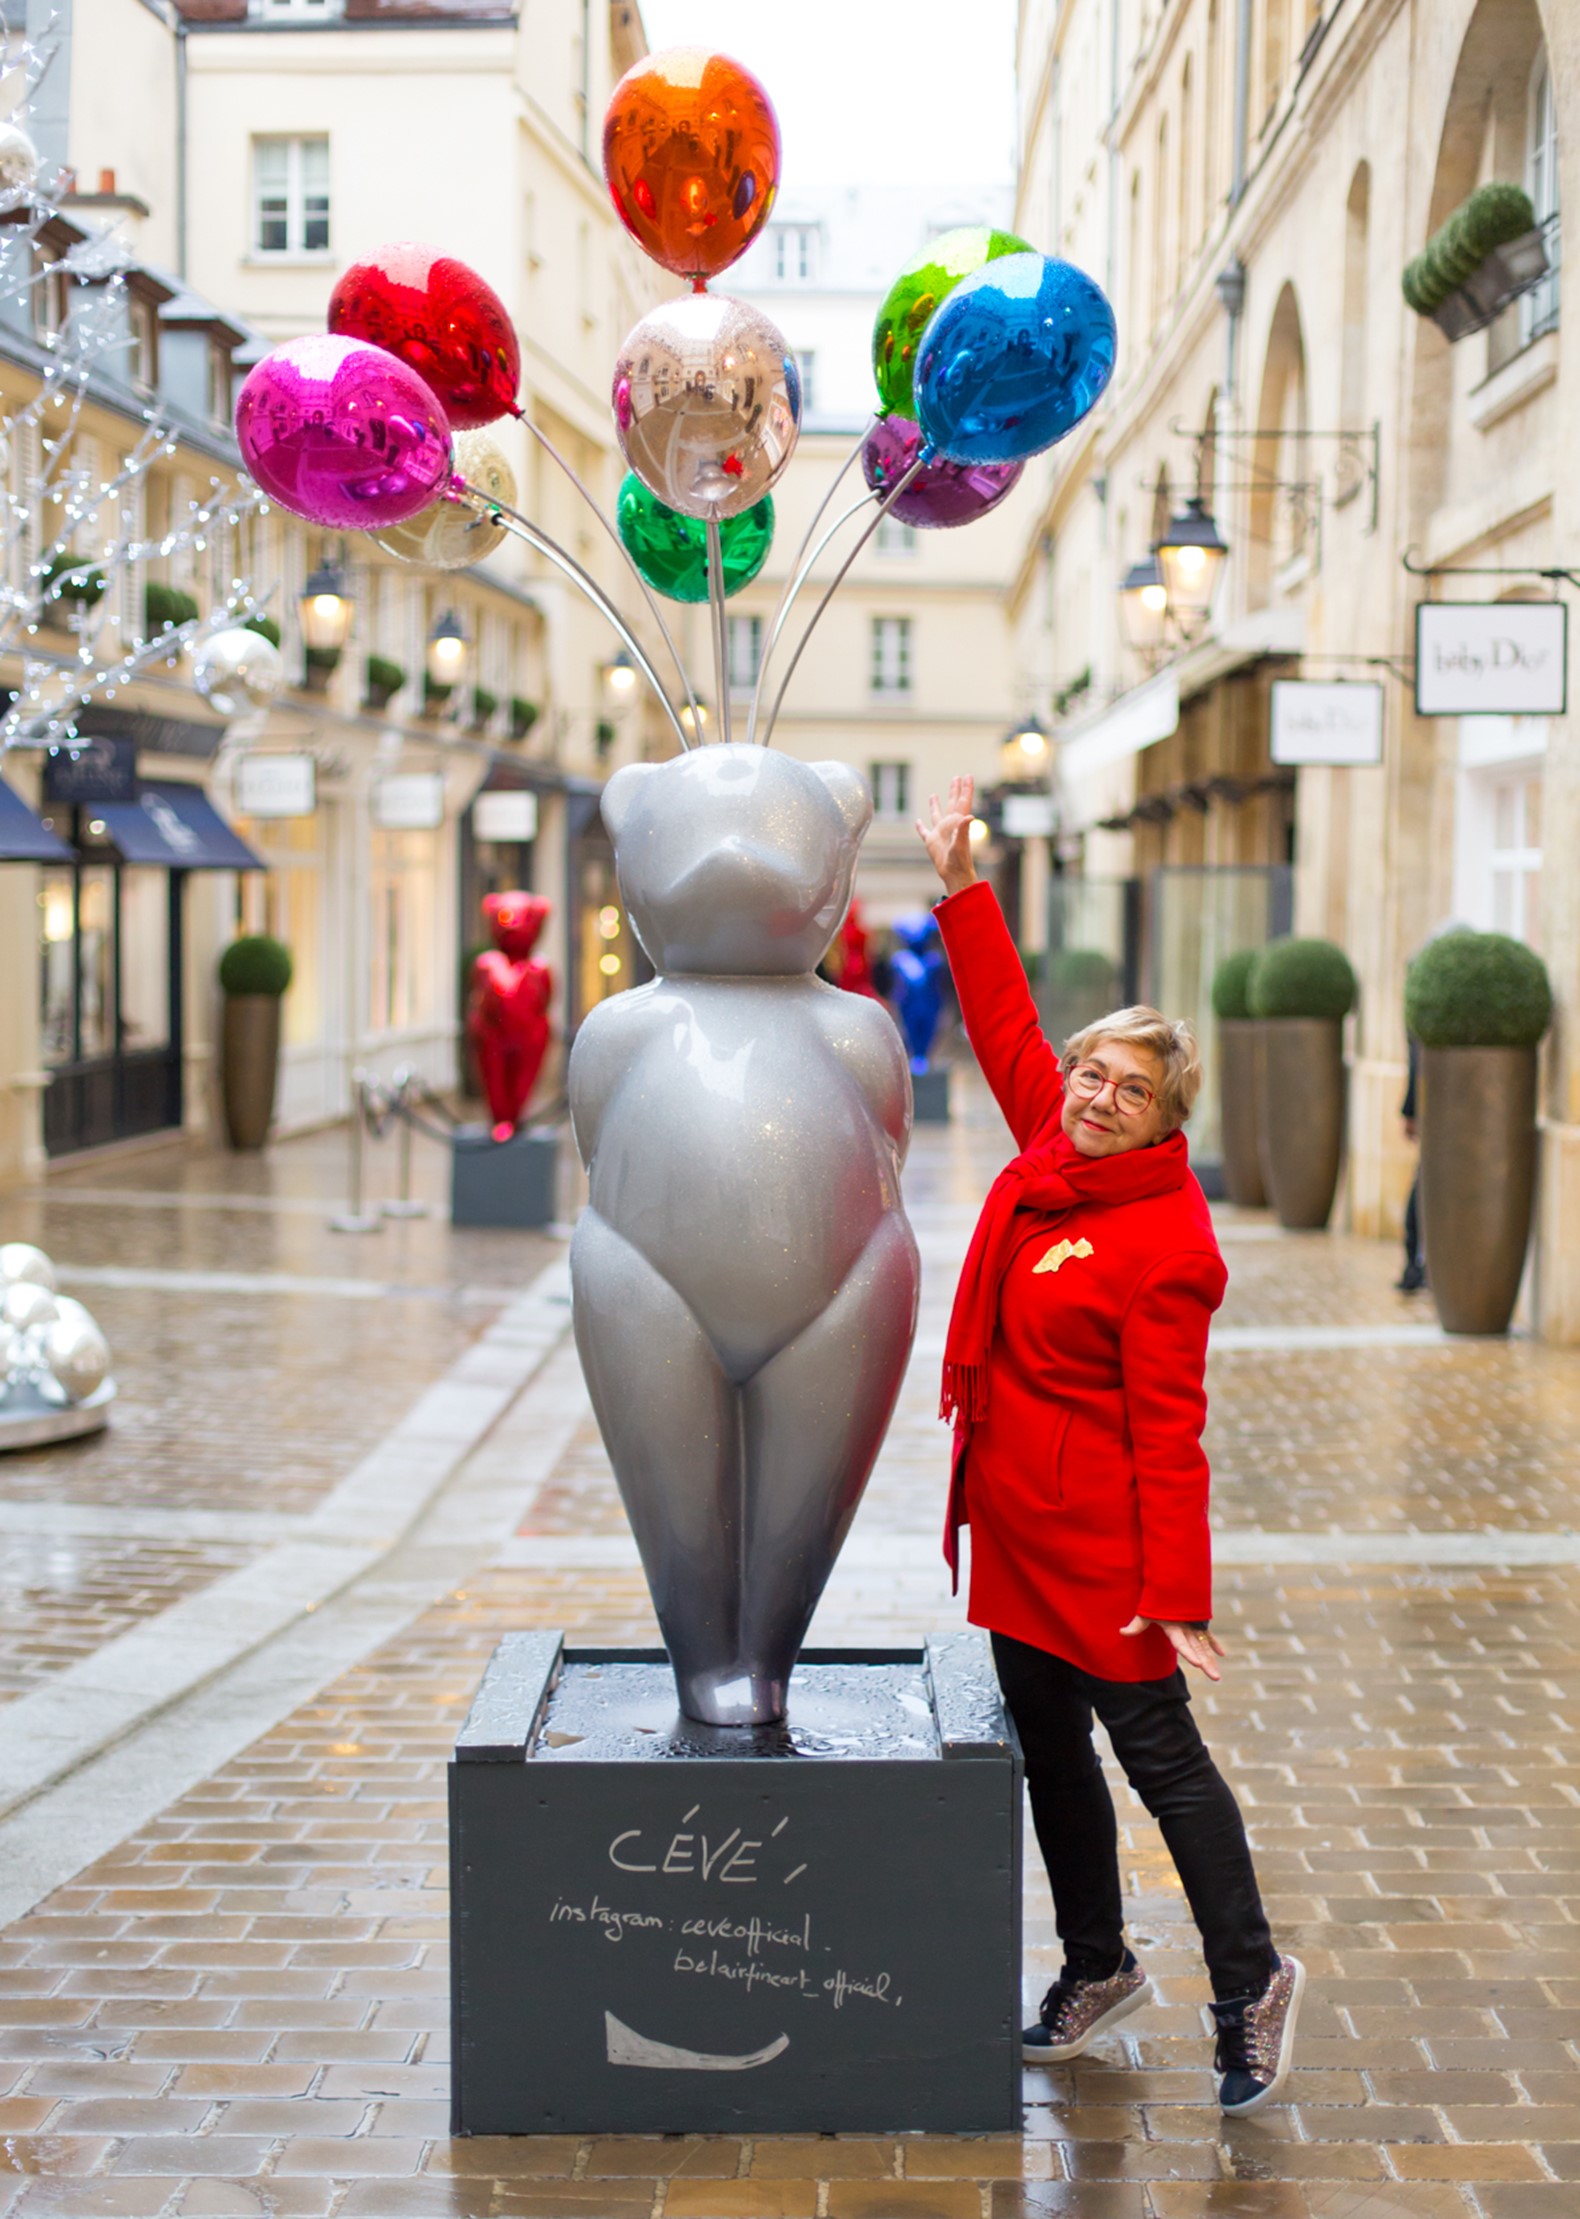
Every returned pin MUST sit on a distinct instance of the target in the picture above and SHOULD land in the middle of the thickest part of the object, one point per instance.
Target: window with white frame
(290, 193)
(1498, 825)
(795, 253)
(891, 655)
(806, 370)
(745, 641)
(1539, 307)
(1514, 859)
(301, 11)
(891, 791)
(895, 538)
(50, 297)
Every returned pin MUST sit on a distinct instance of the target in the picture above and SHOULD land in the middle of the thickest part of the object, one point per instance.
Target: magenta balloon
(341, 433)
(942, 494)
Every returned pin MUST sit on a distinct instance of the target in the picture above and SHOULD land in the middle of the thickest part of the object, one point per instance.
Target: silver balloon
(19, 1260)
(707, 404)
(744, 1281)
(452, 534)
(18, 160)
(25, 1304)
(236, 670)
(76, 1351)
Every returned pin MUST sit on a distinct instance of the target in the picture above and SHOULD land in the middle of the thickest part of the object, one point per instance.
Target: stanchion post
(407, 1083)
(357, 1219)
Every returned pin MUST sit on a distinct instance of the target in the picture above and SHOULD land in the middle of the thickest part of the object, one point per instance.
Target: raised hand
(947, 838)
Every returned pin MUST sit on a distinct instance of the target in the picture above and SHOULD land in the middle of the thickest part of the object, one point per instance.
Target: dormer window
(49, 293)
(143, 317)
(795, 253)
(219, 383)
(295, 11)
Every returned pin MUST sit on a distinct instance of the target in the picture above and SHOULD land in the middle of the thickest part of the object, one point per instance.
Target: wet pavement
(238, 2004)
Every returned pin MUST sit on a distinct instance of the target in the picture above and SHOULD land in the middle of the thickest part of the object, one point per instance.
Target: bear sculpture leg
(739, 1493)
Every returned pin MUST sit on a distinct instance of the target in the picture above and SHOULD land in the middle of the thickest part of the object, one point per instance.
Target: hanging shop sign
(90, 770)
(1491, 658)
(276, 785)
(506, 814)
(1028, 817)
(1316, 721)
(411, 802)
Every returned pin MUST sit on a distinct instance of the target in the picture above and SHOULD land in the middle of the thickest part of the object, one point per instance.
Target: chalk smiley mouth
(624, 2046)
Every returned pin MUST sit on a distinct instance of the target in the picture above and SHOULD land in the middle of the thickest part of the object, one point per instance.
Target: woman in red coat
(1073, 1371)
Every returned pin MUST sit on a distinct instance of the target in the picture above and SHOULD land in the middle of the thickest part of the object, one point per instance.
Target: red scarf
(1049, 1177)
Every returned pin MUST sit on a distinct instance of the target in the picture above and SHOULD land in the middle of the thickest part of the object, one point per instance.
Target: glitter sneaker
(1075, 2012)
(1256, 2041)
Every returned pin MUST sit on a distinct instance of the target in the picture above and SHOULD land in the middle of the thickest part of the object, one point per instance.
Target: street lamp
(619, 675)
(1024, 755)
(1191, 553)
(1143, 606)
(694, 727)
(326, 608)
(447, 650)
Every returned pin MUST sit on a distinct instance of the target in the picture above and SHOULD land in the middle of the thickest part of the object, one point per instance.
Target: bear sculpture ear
(850, 794)
(621, 791)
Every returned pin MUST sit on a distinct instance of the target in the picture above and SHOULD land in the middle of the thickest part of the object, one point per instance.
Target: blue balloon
(1013, 359)
(916, 968)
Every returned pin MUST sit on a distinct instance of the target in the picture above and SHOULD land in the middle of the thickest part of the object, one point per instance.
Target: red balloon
(441, 320)
(691, 152)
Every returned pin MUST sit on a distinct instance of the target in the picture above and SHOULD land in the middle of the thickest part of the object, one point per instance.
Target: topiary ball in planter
(255, 964)
(1300, 978)
(1478, 990)
(1231, 982)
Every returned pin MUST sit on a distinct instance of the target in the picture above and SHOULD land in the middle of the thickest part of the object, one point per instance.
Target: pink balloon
(341, 433)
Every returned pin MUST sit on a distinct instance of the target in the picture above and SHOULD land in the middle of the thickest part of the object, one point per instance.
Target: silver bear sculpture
(744, 1279)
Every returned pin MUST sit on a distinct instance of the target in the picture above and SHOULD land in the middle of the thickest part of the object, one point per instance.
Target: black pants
(1166, 1761)
(1412, 1227)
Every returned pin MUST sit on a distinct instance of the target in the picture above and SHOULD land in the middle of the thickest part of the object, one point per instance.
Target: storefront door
(110, 991)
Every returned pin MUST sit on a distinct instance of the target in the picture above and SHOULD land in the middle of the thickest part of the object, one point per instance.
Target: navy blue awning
(177, 826)
(23, 839)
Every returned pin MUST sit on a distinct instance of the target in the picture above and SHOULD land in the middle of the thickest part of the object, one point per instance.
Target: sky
(870, 93)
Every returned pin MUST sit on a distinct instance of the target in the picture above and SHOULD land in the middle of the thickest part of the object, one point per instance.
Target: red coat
(1085, 1484)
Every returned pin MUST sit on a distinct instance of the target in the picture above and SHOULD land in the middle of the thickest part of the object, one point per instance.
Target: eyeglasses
(1132, 1097)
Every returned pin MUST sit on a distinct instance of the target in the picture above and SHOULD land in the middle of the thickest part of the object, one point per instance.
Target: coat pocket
(1090, 1456)
(1055, 1463)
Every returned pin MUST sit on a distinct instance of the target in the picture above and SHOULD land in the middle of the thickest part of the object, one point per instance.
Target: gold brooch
(1061, 1254)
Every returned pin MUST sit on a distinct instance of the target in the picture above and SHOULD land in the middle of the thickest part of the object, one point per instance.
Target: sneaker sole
(1286, 2055)
(1042, 2055)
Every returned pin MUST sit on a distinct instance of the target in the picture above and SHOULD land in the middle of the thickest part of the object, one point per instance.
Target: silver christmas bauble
(19, 1260)
(18, 160)
(13, 1355)
(25, 1305)
(236, 670)
(76, 1351)
(451, 534)
(707, 406)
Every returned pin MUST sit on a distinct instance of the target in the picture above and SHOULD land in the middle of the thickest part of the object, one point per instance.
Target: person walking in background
(1074, 1374)
(1413, 1277)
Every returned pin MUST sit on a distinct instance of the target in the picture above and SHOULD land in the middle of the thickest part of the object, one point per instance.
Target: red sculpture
(507, 1018)
(855, 962)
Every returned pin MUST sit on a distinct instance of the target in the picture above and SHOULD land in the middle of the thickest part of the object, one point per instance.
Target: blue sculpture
(917, 968)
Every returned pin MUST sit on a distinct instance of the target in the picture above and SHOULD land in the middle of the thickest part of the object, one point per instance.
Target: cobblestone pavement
(238, 2004)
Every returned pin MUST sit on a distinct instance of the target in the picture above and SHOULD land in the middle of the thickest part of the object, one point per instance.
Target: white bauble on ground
(25, 1305)
(20, 1261)
(76, 1351)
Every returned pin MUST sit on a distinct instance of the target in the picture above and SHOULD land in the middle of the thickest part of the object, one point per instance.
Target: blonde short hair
(1168, 1040)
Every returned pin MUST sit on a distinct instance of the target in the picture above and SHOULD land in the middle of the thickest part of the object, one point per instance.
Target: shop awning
(177, 826)
(23, 838)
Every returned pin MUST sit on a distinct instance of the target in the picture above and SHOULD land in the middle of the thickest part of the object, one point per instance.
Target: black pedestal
(504, 1182)
(930, 1096)
(662, 1927)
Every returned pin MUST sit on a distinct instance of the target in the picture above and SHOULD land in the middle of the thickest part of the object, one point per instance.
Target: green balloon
(671, 550)
(918, 290)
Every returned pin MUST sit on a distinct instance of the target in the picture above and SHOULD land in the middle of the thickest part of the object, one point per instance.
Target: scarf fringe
(964, 1393)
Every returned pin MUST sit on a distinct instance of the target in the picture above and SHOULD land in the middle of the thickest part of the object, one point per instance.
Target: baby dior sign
(1491, 658)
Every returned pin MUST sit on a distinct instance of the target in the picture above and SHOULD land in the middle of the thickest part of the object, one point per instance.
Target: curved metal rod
(626, 556)
(523, 529)
(837, 581)
(782, 614)
(787, 596)
(721, 645)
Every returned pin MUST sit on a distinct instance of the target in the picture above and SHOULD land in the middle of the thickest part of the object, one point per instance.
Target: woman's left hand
(1194, 1645)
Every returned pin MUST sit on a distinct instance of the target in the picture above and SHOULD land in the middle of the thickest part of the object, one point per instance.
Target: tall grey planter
(1302, 1117)
(1478, 1180)
(1240, 1080)
(249, 1063)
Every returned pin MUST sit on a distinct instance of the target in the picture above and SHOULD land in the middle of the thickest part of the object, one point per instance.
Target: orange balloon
(691, 152)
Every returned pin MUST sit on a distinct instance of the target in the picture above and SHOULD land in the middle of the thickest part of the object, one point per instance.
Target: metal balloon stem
(787, 601)
(721, 653)
(648, 595)
(838, 580)
(525, 529)
(792, 581)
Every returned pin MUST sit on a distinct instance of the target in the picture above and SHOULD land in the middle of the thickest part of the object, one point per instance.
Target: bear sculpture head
(736, 861)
